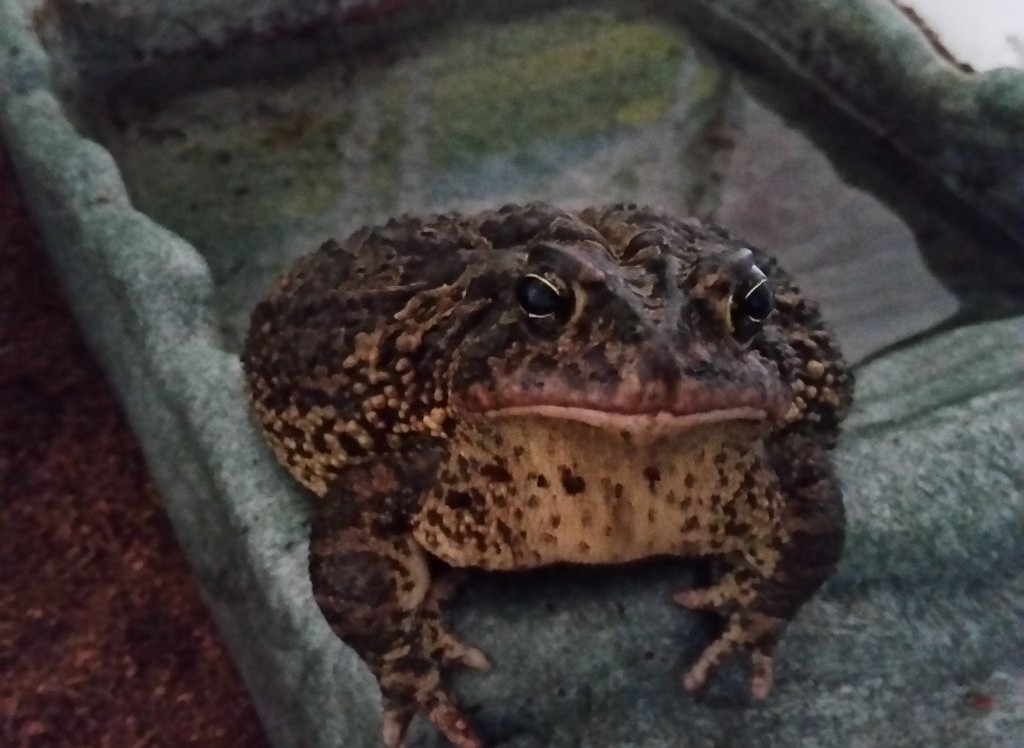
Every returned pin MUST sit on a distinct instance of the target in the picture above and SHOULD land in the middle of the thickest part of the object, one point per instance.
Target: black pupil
(756, 301)
(537, 297)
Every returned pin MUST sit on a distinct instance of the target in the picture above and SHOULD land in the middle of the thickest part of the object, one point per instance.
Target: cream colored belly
(532, 491)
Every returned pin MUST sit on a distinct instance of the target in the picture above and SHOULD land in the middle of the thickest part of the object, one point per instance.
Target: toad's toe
(744, 632)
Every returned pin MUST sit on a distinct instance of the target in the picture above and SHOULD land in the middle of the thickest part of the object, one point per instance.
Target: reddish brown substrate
(103, 639)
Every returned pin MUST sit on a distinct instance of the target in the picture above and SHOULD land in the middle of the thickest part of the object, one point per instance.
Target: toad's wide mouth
(651, 425)
(647, 412)
(649, 397)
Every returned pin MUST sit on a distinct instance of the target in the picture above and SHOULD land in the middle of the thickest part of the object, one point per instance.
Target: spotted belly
(527, 492)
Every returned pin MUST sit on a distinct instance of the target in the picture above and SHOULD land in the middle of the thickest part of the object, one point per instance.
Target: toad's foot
(761, 589)
(444, 646)
(378, 596)
(452, 651)
(408, 651)
(746, 631)
(410, 681)
(377, 591)
(736, 596)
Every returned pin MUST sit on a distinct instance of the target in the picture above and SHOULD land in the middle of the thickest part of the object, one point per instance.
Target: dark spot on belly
(556, 520)
(587, 519)
(584, 547)
(495, 473)
(618, 490)
(533, 502)
(518, 452)
(542, 482)
(735, 528)
(720, 458)
(690, 481)
(572, 483)
(471, 502)
(652, 475)
(690, 525)
(459, 499)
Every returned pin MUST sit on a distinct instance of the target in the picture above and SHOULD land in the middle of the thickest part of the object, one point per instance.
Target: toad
(529, 386)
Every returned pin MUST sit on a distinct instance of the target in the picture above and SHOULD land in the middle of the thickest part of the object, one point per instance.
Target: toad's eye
(752, 303)
(544, 298)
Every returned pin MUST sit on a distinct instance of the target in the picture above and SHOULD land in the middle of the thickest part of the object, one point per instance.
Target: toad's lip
(651, 412)
(654, 424)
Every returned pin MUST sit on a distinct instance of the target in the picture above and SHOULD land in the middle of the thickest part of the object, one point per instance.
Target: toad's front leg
(763, 587)
(373, 584)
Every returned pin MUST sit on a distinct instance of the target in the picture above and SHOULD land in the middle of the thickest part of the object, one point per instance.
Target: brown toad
(529, 386)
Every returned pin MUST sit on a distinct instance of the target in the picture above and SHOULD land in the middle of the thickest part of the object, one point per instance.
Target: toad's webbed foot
(410, 676)
(761, 591)
(751, 632)
(373, 584)
(747, 629)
